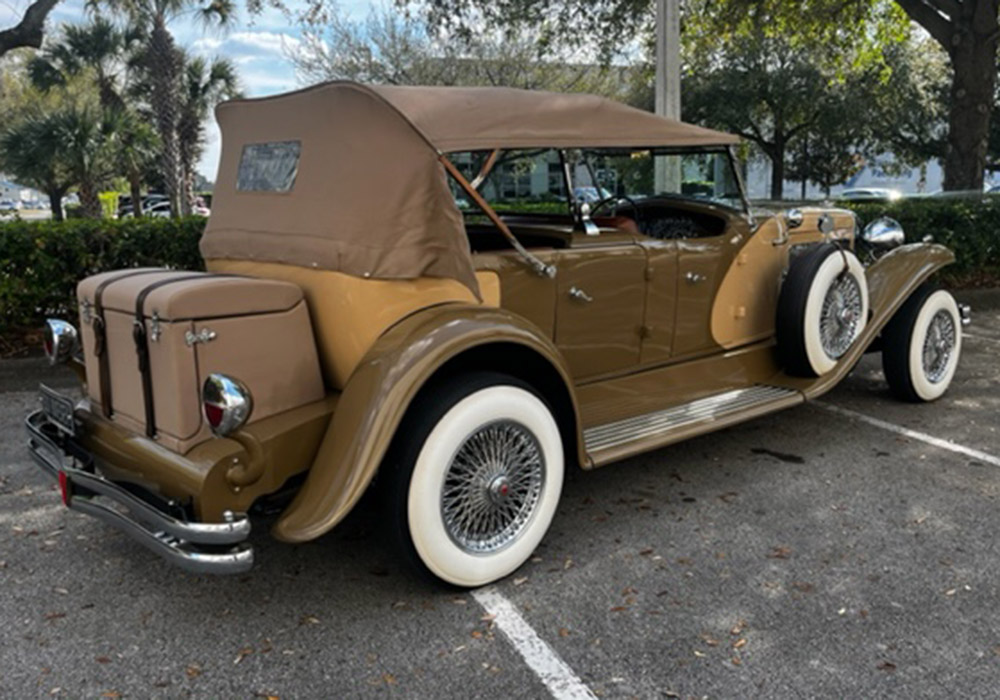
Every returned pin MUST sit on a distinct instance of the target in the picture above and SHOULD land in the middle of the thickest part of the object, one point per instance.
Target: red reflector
(47, 345)
(214, 414)
(64, 487)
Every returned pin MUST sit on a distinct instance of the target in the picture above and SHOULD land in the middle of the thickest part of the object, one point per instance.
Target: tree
(98, 48)
(205, 85)
(763, 89)
(82, 137)
(403, 50)
(138, 147)
(29, 32)
(163, 64)
(967, 30)
(32, 157)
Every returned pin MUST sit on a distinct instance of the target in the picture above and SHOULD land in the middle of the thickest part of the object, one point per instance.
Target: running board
(621, 438)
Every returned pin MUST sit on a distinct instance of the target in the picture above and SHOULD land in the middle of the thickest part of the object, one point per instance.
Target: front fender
(891, 280)
(377, 396)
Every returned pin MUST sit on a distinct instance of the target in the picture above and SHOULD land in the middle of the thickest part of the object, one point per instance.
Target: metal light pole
(668, 84)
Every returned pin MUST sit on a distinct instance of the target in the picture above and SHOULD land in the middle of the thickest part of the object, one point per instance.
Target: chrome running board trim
(707, 409)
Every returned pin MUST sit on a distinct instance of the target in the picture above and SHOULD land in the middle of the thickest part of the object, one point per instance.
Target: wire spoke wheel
(939, 344)
(492, 486)
(841, 316)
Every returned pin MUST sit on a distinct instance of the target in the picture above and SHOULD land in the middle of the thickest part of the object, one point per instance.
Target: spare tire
(822, 309)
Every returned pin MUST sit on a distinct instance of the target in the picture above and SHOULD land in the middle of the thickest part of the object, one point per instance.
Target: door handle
(694, 277)
(580, 295)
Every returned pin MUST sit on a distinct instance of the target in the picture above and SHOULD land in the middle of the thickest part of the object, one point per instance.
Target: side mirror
(884, 234)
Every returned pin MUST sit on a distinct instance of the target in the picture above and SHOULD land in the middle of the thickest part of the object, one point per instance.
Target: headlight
(60, 341)
(227, 404)
(883, 234)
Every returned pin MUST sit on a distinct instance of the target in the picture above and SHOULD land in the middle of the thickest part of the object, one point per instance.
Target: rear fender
(891, 280)
(380, 391)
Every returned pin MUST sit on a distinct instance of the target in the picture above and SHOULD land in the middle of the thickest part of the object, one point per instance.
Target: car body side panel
(600, 333)
(744, 307)
(378, 394)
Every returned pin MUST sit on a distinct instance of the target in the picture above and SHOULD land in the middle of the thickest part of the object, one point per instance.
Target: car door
(601, 288)
(702, 263)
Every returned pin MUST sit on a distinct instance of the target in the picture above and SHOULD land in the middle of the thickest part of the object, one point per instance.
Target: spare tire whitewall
(922, 345)
(480, 490)
(822, 310)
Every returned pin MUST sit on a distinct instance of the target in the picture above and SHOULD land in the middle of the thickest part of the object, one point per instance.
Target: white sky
(256, 44)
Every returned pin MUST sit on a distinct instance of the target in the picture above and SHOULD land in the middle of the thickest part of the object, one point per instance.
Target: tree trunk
(164, 64)
(55, 196)
(135, 184)
(777, 155)
(973, 58)
(90, 203)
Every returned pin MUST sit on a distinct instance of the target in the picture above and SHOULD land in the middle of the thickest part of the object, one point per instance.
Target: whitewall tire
(922, 345)
(478, 477)
(822, 309)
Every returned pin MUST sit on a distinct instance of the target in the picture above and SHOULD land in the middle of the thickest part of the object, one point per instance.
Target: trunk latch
(205, 335)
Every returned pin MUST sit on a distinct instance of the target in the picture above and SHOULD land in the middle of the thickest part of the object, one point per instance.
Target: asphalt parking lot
(813, 553)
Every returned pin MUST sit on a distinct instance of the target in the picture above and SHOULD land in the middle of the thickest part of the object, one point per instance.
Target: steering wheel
(596, 206)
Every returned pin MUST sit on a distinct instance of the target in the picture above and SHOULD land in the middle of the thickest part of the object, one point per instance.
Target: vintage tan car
(462, 292)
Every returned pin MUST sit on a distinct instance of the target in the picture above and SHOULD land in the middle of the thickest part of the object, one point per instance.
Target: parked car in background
(355, 324)
(9, 206)
(870, 194)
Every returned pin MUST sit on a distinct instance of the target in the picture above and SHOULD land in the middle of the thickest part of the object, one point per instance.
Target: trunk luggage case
(182, 326)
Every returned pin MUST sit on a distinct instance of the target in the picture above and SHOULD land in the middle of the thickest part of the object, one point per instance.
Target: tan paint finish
(350, 313)
(377, 396)
(603, 335)
(670, 385)
(262, 337)
(746, 301)
(288, 440)
(707, 259)
(661, 301)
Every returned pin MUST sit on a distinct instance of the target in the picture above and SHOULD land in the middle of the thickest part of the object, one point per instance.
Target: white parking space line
(913, 434)
(982, 338)
(559, 678)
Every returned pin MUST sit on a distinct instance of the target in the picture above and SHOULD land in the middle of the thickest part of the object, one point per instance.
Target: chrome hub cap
(938, 346)
(840, 318)
(492, 487)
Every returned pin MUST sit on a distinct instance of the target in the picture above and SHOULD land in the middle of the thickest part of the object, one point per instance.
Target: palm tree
(83, 137)
(164, 66)
(32, 157)
(98, 49)
(205, 85)
(138, 147)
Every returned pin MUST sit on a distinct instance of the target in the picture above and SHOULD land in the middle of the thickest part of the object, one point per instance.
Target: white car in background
(871, 194)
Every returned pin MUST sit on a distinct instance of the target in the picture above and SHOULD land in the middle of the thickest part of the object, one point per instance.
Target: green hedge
(969, 226)
(42, 261)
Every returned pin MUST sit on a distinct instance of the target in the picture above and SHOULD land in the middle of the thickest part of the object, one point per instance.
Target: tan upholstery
(349, 313)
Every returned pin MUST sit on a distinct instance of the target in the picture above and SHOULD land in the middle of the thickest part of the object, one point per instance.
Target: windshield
(643, 173)
(533, 181)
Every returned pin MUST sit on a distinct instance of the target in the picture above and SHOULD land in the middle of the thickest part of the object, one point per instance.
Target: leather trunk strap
(142, 346)
(101, 337)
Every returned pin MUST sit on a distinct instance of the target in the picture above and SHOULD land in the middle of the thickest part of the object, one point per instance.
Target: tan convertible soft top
(347, 177)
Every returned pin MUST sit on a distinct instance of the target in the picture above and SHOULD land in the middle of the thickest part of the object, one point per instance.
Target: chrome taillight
(60, 341)
(227, 404)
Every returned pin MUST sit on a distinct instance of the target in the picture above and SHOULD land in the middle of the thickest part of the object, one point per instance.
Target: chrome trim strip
(709, 408)
(176, 540)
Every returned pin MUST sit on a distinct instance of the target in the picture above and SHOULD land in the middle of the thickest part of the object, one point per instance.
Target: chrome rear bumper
(217, 548)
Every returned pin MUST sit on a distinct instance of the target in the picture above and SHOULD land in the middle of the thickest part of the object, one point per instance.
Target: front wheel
(475, 474)
(921, 345)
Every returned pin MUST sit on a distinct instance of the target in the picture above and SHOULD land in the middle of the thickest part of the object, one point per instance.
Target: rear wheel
(922, 344)
(475, 476)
